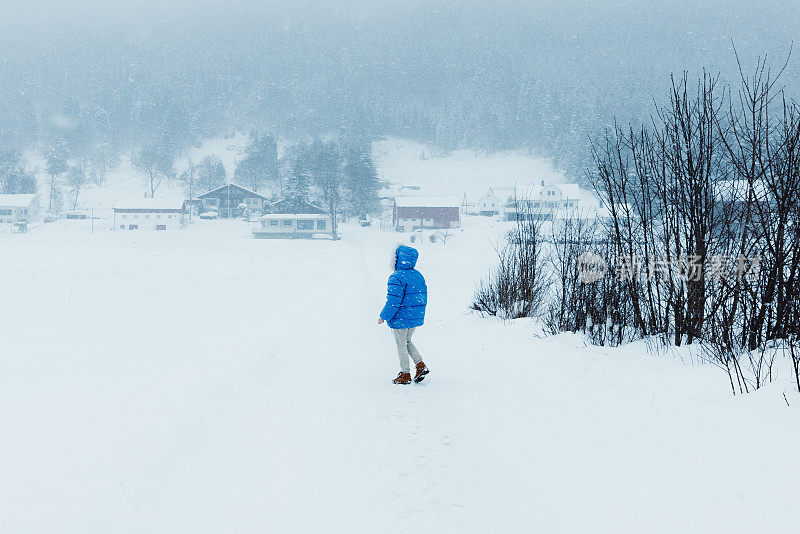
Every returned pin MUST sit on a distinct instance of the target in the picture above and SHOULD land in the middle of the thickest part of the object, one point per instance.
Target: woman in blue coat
(404, 311)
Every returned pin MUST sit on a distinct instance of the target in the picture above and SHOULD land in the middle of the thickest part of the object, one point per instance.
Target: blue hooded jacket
(407, 295)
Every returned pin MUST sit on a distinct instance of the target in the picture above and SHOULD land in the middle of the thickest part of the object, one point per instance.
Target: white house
(489, 204)
(148, 214)
(293, 225)
(293, 217)
(545, 200)
(19, 208)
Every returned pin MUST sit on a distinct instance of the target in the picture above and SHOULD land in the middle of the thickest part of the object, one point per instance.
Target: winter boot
(422, 370)
(403, 378)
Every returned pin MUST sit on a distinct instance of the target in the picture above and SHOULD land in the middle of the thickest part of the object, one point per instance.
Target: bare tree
(156, 165)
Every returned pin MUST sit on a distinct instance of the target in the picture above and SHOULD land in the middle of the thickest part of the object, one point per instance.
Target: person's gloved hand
(380, 320)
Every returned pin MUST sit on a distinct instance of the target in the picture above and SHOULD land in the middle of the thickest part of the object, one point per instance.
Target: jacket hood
(405, 257)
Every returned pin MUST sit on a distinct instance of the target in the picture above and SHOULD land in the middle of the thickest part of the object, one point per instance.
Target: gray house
(225, 200)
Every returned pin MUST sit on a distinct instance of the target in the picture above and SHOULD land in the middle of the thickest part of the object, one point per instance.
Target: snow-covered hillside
(204, 381)
(464, 172)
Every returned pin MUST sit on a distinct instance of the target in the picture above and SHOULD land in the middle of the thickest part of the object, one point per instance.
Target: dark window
(133, 227)
(287, 222)
(161, 227)
(305, 225)
(273, 222)
(321, 224)
(121, 226)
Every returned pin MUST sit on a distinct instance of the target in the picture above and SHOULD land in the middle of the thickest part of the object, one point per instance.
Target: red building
(426, 211)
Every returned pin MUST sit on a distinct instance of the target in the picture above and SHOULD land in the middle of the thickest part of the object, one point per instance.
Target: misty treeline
(702, 243)
(542, 76)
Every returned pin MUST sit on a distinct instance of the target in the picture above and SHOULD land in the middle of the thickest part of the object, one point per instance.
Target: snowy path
(157, 387)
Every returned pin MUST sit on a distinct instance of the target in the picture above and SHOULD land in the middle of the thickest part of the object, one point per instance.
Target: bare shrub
(516, 287)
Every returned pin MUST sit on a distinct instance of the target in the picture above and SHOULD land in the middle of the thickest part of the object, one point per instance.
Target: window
(6, 212)
(147, 216)
(124, 216)
(273, 222)
(321, 224)
(133, 227)
(287, 222)
(161, 227)
(121, 226)
(305, 225)
(135, 216)
(169, 216)
(23, 211)
(158, 215)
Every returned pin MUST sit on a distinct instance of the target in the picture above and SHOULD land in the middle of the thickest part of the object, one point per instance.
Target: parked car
(209, 215)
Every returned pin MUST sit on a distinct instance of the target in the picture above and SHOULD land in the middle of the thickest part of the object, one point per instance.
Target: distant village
(403, 210)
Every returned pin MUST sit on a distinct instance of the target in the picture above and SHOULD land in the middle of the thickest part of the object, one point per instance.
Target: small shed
(226, 199)
(148, 214)
(426, 211)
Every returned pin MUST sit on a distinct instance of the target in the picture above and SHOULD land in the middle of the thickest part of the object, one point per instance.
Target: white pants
(405, 348)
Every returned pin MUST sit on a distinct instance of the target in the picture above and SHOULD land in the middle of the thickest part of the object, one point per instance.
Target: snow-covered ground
(204, 381)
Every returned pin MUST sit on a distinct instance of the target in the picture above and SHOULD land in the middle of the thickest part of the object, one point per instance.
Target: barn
(427, 211)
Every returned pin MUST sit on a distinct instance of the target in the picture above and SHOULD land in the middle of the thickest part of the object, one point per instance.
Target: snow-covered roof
(429, 201)
(16, 201)
(148, 204)
(232, 185)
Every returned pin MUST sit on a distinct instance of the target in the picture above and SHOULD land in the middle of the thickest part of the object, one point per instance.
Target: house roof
(429, 201)
(292, 206)
(208, 193)
(148, 204)
(16, 201)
